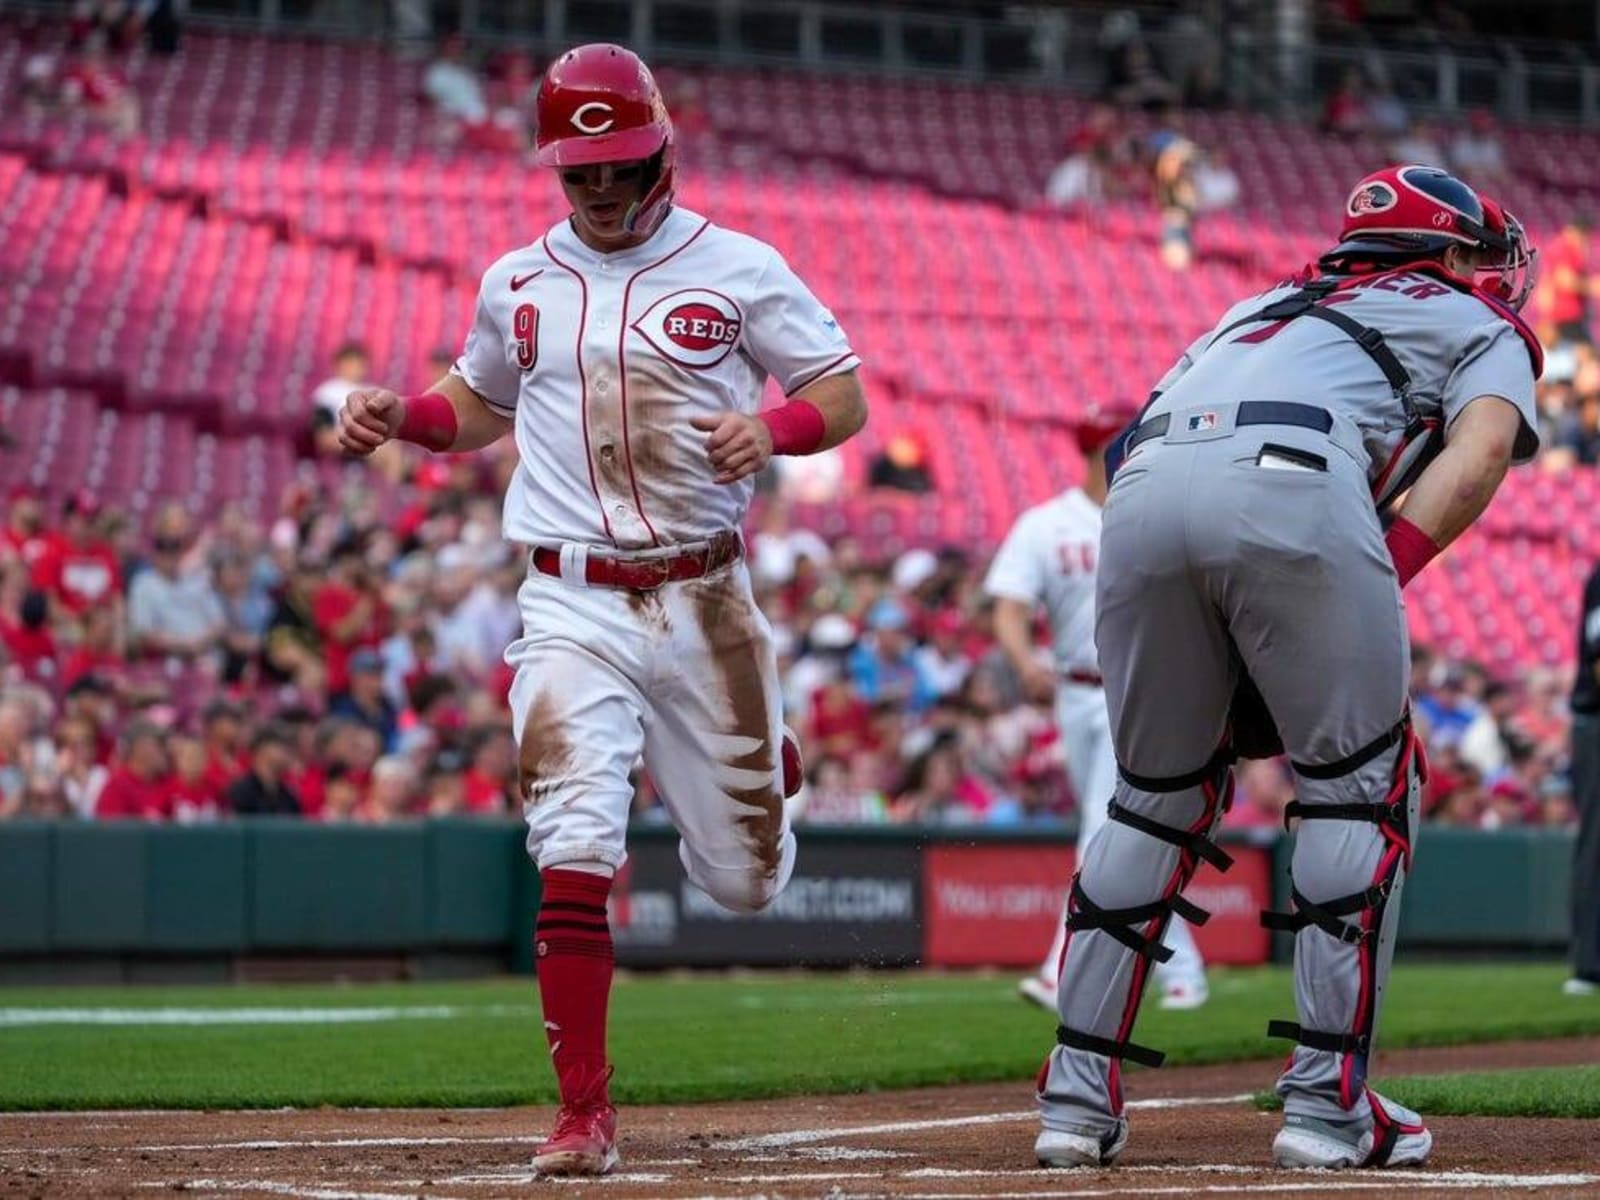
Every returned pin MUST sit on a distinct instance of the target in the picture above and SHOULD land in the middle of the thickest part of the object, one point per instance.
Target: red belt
(1087, 678)
(645, 573)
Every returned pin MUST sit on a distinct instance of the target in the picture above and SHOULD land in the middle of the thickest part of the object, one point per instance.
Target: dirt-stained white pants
(686, 677)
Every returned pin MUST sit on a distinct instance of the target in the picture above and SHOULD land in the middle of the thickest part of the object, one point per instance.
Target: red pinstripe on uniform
(583, 383)
(622, 371)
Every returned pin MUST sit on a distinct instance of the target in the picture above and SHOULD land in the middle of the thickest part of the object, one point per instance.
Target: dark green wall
(281, 887)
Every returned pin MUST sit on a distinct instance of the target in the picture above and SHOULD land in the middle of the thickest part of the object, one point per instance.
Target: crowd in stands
(338, 667)
(341, 664)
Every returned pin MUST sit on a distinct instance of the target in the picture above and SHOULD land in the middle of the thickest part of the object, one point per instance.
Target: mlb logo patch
(1202, 421)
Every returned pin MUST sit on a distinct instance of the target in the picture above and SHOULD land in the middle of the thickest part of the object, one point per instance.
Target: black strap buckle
(1197, 844)
(1325, 916)
(1286, 309)
(1118, 923)
(1320, 1039)
(1354, 762)
(1223, 757)
(1074, 1040)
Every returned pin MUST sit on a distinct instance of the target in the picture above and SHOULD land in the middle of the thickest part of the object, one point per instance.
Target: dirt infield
(1194, 1133)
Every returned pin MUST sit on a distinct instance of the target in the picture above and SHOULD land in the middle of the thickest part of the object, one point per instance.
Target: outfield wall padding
(427, 891)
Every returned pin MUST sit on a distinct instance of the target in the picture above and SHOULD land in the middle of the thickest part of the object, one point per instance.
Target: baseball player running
(1051, 557)
(1243, 541)
(627, 350)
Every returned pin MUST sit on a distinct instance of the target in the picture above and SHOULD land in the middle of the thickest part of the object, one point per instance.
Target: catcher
(1244, 547)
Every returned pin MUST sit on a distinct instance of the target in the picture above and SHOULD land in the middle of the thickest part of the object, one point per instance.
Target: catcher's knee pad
(1139, 927)
(1347, 902)
(746, 887)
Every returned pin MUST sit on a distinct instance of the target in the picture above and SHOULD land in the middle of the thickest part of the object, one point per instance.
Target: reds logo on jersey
(694, 328)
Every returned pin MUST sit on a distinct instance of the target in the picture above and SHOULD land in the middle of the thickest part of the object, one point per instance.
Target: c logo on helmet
(1371, 198)
(580, 117)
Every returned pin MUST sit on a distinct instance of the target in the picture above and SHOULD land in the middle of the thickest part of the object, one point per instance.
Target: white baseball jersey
(603, 359)
(1050, 557)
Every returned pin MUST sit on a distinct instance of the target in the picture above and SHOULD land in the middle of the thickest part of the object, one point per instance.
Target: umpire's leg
(1586, 854)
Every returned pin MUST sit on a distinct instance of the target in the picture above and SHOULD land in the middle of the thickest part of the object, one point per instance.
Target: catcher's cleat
(1057, 1148)
(1396, 1138)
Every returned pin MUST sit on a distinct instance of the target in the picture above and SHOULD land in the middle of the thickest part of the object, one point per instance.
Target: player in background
(1244, 552)
(627, 350)
(1050, 559)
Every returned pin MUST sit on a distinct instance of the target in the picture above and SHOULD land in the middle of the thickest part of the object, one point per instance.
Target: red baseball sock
(574, 958)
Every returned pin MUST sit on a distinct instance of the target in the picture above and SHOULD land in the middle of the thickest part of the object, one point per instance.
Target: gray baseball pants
(1254, 546)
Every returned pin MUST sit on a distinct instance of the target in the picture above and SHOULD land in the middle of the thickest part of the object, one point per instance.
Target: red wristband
(1410, 548)
(797, 427)
(430, 421)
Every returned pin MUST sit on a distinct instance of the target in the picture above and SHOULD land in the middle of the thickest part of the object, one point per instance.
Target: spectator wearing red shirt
(1567, 286)
(27, 638)
(222, 735)
(137, 789)
(81, 570)
(98, 652)
(485, 780)
(349, 614)
(93, 85)
(194, 796)
(841, 721)
(24, 534)
(91, 700)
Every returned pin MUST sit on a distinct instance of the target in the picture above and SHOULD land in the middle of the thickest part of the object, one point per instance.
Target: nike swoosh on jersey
(518, 281)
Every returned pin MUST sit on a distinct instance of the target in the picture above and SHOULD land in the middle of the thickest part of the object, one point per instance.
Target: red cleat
(585, 1137)
(794, 767)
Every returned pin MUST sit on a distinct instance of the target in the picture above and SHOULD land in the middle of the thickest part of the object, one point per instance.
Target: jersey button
(608, 452)
(602, 386)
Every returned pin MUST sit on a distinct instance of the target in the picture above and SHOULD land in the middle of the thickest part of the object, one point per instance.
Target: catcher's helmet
(600, 104)
(1405, 213)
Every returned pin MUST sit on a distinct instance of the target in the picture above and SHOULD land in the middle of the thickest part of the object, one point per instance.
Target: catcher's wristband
(430, 421)
(797, 427)
(1410, 548)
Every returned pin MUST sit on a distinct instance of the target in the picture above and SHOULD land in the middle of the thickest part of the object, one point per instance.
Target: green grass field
(676, 1039)
(1535, 1092)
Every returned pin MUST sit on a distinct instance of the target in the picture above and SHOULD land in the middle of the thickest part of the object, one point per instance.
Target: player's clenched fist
(369, 418)
(738, 445)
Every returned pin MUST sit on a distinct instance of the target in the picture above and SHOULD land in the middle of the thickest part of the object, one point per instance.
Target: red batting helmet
(1411, 212)
(1098, 425)
(600, 104)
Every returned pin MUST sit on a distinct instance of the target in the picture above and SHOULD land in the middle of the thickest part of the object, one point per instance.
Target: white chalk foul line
(271, 1187)
(799, 1137)
(28, 1017)
(1393, 1181)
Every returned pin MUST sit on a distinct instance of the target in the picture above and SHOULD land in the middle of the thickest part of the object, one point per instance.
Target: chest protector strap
(1423, 437)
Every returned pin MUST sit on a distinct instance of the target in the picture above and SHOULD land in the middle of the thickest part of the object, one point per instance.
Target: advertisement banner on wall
(847, 904)
(998, 905)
